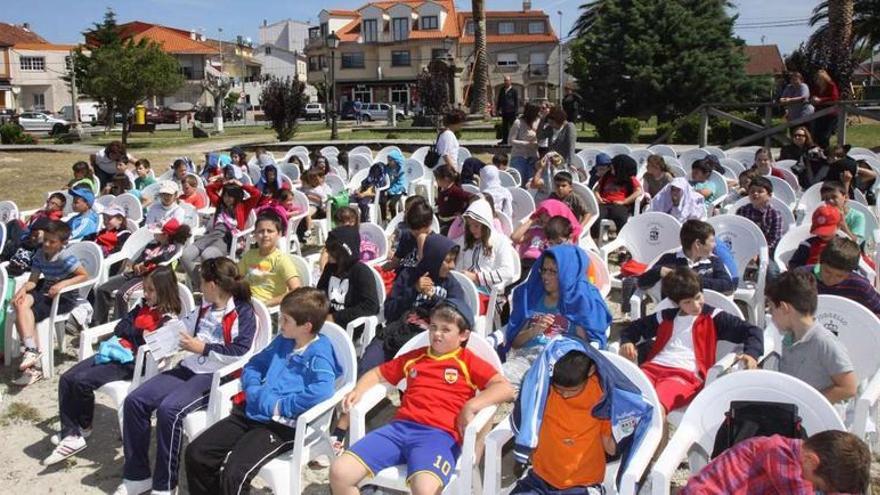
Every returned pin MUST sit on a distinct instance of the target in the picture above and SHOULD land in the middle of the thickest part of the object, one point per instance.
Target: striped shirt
(768, 220)
(855, 288)
(56, 268)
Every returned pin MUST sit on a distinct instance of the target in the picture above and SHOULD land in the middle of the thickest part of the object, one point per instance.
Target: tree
(655, 57)
(865, 21)
(218, 86)
(480, 82)
(434, 93)
(833, 43)
(122, 74)
(284, 103)
(104, 33)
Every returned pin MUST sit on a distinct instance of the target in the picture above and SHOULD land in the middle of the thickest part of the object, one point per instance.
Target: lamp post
(332, 44)
(561, 59)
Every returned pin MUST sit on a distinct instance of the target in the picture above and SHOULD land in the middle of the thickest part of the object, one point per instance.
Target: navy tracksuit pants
(172, 394)
(76, 392)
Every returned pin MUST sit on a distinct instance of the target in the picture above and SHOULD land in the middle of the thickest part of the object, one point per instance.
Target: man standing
(572, 104)
(507, 105)
(358, 106)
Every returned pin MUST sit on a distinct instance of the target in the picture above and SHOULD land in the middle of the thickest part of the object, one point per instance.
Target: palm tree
(481, 62)
(590, 11)
(837, 38)
(865, 21)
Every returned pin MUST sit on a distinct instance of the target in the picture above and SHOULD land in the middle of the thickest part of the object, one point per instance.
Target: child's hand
(350, 400)
(425, 284)
(190, 343)
(465, 417)
(19, 296)
(629, 351)
(748, 361)
(543, 322)
(54, 290)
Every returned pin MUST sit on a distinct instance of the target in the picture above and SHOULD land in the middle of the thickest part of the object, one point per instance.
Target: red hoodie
(242, 209)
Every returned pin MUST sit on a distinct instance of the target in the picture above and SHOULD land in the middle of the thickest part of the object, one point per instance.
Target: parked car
(314, 111)
(161, 116)
(88, 112)
(347, 112)
(41, 122)
(379, 111)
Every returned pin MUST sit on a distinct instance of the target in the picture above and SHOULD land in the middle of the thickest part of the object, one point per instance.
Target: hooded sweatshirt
(490, 182)
(263, 183)
(396, 175)
(580, 303)
(691, 206)
(215, 164)
(534, 241)
(352, 292)
(293, 379)
(496, 268)
(405, 294)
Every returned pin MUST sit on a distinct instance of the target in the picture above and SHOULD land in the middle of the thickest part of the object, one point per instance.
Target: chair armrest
(359, 321)
(322, 407)
(868, 398)
(466, 463)
(86, 283)
(494, 443)
(89, 337)
(675, 451)
(359, 411)
(723, 365)
(215, 402)
(640, 460)
(606, 249)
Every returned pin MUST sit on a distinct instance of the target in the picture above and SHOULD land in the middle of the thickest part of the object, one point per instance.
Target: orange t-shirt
(570, 451)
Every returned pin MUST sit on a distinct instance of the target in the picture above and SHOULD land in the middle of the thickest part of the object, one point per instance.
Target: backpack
(747, 419)
(432, 157)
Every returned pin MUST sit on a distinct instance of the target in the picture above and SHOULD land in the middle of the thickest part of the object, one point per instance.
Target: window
(507, 60)
(400, 58)
(353, 60)
(538, 92)
(400, 95)
(538, 64)
(370, 31)
(536, 27)
(363, 93)
(314, 33)
(506, 28)
(39, 101)
(268, 50)
(469, 28)
(400, 28)
(324, 30)
(429, 22)
(33, 63)
(314, 64)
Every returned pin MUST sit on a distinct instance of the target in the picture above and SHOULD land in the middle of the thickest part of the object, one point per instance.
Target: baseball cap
(169, 228)
(86, 194)
(825, 220)
(168, 187)
(602, 159)
(113, 211)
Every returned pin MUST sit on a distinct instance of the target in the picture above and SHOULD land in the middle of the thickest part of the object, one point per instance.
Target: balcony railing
(538, 70)
(507, 68)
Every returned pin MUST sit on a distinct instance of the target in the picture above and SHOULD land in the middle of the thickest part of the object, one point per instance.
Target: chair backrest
(649, 235)
(745, 156)
(264, 326)
(471, 189)
(688, 157)
(721, 188)
(343, 348)
(507, 179)
(791, 179)
(356, 163)
(782, 190)
(90, 256)
(106, 200)
(131, 205)
(414, 170)
(302, 268)
(785, 164)
(361, 150)
(706, 412)
(254, 170)
(722, 302)
(338, 170)
(789, 243)
(463, 154)
(734, 165)
(290, 170)
(470, 290)
(190, 215)
(641, 155)
(136, 242)
(328, 151)
(777, 204)
(857, 328)
(523, 205)
(742, 236)
(151, 192)
(515, 174)
(589, 198)
(131, 225)
(187, 302)
(376, 235)
(859, 197)
(854, 151)
(506, 222)
(476, 344)
(335, 183)
(603, 276)
(617, 149)
(355, 181)
(382, 155)
(8, 211)
(379, 283)
(663, 150)
(714, 150)
(588, 155)
(420, 154)
(811, 198)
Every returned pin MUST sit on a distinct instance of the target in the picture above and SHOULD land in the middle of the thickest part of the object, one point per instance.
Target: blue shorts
(424, 449)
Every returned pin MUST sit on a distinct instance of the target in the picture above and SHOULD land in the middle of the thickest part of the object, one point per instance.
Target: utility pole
(75, 126)
(561, 61)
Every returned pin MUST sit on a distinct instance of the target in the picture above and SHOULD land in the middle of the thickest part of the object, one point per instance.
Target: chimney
(265, 22)
(527, 5)
(26, 26)
(192, 35)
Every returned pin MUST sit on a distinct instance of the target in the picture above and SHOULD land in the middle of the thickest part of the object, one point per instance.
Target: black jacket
(507, 102)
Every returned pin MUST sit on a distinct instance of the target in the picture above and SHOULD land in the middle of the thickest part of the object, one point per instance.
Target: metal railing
(769, 132)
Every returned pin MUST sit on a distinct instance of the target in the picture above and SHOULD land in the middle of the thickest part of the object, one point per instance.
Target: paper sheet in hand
(165, 341)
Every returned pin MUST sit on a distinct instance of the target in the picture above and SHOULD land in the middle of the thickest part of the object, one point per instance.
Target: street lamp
(559, 56)
(332, 42)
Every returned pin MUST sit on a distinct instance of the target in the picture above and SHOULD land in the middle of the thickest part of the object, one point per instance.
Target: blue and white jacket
(224, 343)
(622, 402)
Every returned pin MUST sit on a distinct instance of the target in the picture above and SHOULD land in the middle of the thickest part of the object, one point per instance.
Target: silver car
(41, 122)
(379, 111)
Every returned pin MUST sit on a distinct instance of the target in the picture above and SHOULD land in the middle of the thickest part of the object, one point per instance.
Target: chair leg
(10, 339)
(45, 334)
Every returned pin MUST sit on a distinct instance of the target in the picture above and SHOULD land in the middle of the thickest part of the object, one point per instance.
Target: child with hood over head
(680, 200)
(270, 183)
(556, 299)
(490, 183)
(487, 255)
(347, 281)
(214, 165)
(368, 189)
(397, 180)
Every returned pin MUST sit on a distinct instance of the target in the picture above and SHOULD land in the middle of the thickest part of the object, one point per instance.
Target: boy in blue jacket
(297, 371)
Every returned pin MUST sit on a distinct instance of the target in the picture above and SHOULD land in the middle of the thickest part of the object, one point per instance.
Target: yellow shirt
(570, 451)
(268, 275)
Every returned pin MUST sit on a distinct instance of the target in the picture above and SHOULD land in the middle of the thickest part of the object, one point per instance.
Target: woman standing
(523, 141)
(825, 95)
(811, 166)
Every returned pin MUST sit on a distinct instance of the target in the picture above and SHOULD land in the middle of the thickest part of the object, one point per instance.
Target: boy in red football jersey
(440, 400)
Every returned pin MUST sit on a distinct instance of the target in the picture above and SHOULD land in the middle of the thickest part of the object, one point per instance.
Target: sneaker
(83, 432)
(30, 358)
(129, 487)
(28, 377)
(69, 446)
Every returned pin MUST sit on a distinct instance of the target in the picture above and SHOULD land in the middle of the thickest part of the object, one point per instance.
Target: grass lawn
(865, 135)
(166, 138)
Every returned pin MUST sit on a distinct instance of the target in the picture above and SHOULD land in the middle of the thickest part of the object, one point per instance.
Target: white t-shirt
(106, 164)
(679, 351)
(447, 145)
(158, 214)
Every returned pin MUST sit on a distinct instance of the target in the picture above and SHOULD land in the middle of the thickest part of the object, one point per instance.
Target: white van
(88, 112)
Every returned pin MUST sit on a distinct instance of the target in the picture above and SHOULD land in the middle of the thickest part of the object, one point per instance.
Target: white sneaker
(56, 438)
(69, 446)
(129, 487)
(30, 358)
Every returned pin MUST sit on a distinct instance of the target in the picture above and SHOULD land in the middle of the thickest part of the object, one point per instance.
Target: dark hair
(830, 186)
(447, 312)
(808, 142)
(702, 166)
(500, 159)
(312, 177)
(58, 229)
(558, 227)
(844, 460)
(119, 177)
(178, 163)
(572, 369)
(192, 180)
(763, 151)
(563, 176)
(624, 168)
(841, 253)
(59, 196)
(224, 272)
(485, 234)
(762, 182)
(272, 216)
(530, 112)
(489, 199)
(419, 216)
(413, 200)
(180, 235)
(793, 74)
(283, 194)
(557, 114)
(144, 162)
(307, 305)
(83, 167)
(659, 162)
(347, 216)
(167, 294)
(680, 284)
(344, 259)
(115, 147)
(797, 288)
(454, 117)
(693, 231)
(446, 172)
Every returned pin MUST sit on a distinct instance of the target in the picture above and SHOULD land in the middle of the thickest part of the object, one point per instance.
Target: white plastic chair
(132, 248)
(376, 235)
(697, 430)
(374, 208)
(588, 155)
(789, 243)
(777, 204)
(242, 234)
(782, 190)
(463, 154)
(328, 151)
(810, 200)
(382, 155)
(360, 150)
(391, 227)
(506, 222)
(523, 205)
(145, 366)
(515, 174)
(861, 151)
(507, 179)
(462, 477)
(745, 241)
(733, 165)
(646, 237)
(290, 239)
(663, 150)
(197, 421)
(603, 276)
(291, 171)
(302, 269)
(420, 153)
(472, 298)
(613, 150)
(716, 151)
(641, 156)
(131, 205)
(8, 211)
(721, 188)
(687, 158)
(746, 156)
(150, 192)
(335, 183)
(370, 323)
(357, 162)
(592, 204)
(638, 462)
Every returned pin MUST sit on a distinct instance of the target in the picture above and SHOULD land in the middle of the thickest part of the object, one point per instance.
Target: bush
(719, 131)
(10, 133)
(663, 128)
(392, 135)
(624, 130)
(688, 130)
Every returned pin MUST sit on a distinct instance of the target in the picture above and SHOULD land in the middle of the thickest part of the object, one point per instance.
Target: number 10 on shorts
(442, 465)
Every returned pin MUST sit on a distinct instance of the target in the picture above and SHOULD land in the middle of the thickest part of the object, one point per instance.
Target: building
(31, 71)
(385, 45)
(763, 60)
(281, 49)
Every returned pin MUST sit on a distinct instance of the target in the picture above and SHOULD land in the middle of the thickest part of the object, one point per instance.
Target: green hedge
(624, 130)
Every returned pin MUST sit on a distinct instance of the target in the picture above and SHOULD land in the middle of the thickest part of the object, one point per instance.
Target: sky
(62, 21)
